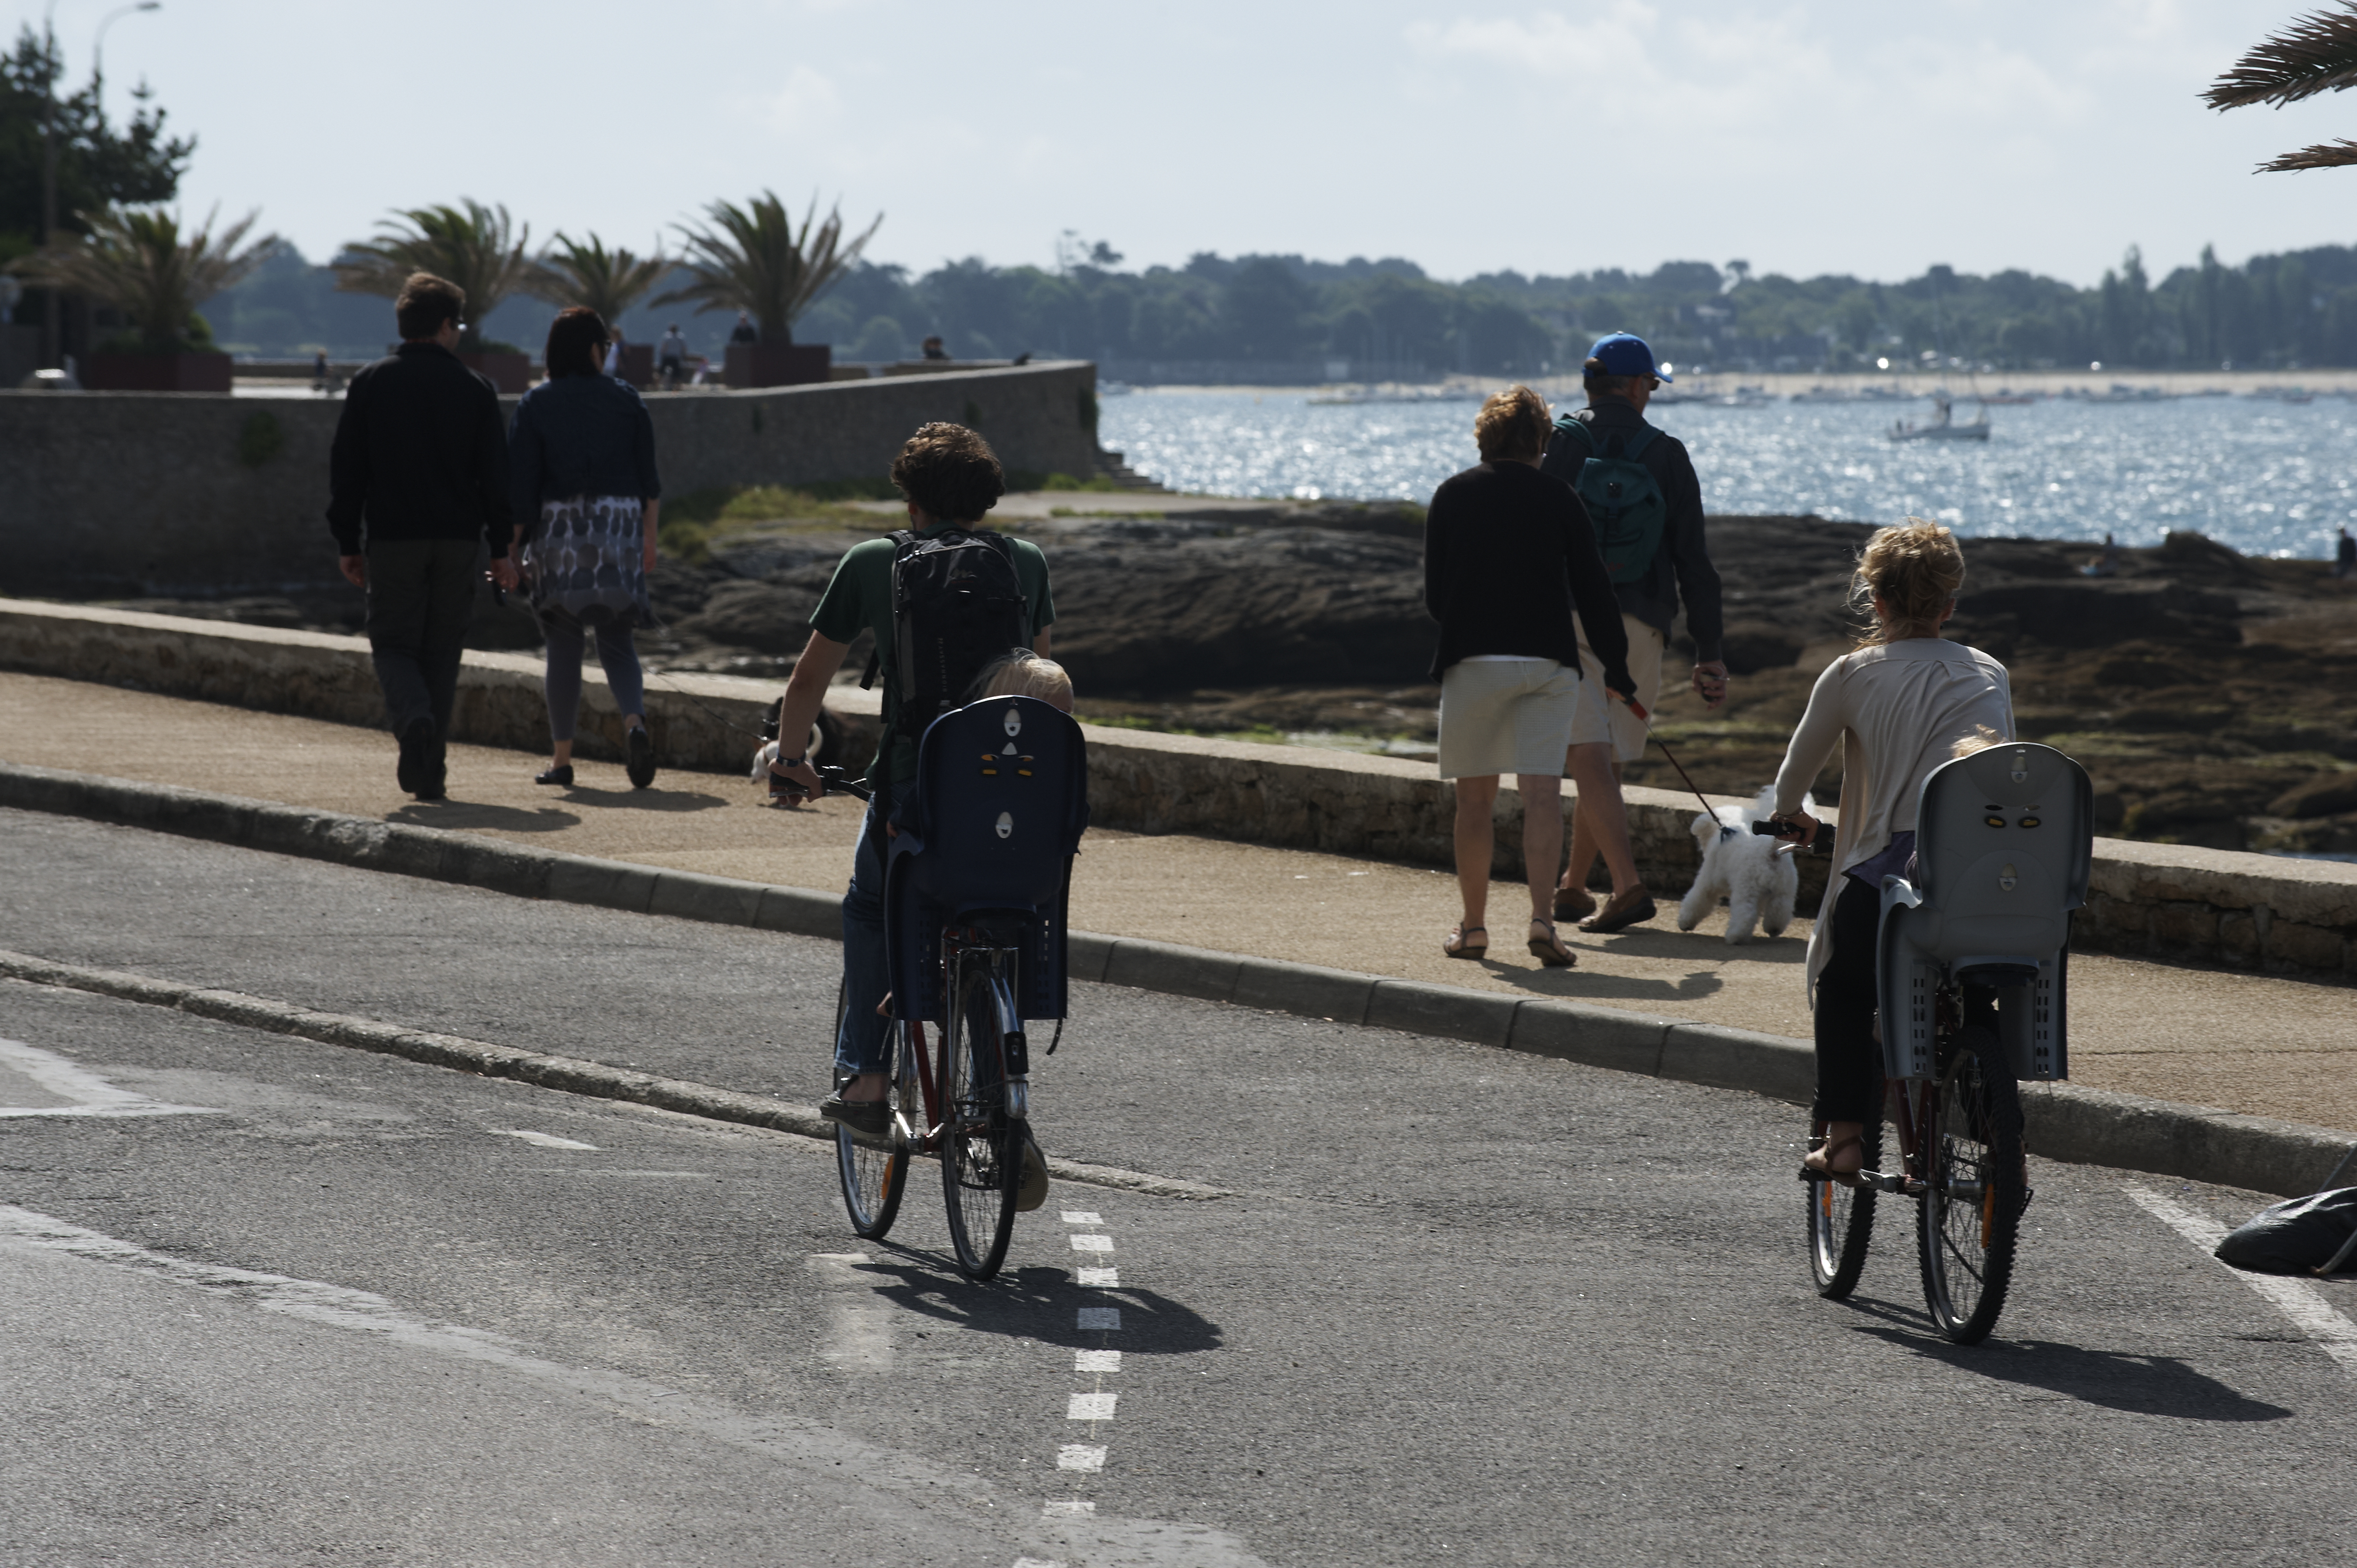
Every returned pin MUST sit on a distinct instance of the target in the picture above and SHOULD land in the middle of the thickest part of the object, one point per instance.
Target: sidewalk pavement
(2260, 1045)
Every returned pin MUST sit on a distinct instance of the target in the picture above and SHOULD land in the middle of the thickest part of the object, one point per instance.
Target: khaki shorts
(1602, 718)
(1502, 717)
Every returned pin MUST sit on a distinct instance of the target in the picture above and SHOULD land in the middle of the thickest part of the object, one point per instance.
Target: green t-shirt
(860, 599)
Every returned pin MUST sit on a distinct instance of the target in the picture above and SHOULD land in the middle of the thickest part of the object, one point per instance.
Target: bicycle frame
(959, 944)
(1914, 1106)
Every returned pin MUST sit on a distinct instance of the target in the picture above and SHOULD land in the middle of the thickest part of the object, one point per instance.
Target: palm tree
(752, 259)
(475, 247)
(139, 263)
(608, 281)
(2315, 54)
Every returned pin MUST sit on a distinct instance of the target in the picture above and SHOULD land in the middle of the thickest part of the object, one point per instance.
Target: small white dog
(769, 754)
(1744, 868)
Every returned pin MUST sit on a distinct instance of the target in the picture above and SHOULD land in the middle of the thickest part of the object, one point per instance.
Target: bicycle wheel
(1971, 1209)
(982, 1146)
(1841, 1222)
(873, 1176)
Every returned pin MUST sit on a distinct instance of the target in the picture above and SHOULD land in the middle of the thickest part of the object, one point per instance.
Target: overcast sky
(1813, 136)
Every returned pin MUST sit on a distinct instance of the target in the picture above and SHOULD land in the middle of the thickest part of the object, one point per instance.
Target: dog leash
(1646, 719)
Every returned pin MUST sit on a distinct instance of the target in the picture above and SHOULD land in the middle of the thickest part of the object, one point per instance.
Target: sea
(2265, 476)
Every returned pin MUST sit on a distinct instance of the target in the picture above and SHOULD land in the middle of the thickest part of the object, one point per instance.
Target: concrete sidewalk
(2254, 1044)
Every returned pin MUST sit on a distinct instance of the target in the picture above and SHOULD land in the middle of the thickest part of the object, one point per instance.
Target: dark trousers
(1849, 1060)
(421, 592)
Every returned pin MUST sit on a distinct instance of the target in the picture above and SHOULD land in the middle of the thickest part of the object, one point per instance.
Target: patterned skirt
(586, 561)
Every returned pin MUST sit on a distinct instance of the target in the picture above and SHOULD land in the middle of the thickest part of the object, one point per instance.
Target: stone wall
(2164, 901)
(184, 495)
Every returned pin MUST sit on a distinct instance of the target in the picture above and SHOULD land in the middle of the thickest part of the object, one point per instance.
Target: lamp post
(51, 325)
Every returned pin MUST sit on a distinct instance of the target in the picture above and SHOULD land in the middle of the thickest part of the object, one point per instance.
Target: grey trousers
(421, 594)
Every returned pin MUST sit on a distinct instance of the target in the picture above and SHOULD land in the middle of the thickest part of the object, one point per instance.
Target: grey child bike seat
(2003, 843)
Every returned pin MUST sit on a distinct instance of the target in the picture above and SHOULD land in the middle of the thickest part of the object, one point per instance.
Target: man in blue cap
(1645, 505)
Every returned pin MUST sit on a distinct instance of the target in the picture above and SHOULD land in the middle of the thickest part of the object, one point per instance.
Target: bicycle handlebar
(829, 779)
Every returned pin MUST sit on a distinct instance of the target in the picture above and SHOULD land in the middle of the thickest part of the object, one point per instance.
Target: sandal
(1455, 945)
(1549, 949)
(1818, 1165)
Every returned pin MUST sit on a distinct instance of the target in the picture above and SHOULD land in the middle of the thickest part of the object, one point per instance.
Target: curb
(570, 1075)
(2082, 1126)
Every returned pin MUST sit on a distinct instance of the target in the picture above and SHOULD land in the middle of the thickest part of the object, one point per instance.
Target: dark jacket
(1682, 566)
(1507, 554)
(579, 436)
(420, 453)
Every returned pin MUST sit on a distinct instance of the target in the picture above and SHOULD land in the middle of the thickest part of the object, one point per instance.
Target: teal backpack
(1624, 501)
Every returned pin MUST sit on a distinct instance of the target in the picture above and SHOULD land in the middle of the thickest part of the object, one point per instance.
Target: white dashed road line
(68, 1088)
(2294, 1297)
(544, 1140)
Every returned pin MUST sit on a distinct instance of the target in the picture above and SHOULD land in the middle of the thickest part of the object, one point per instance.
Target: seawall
(2161, 901)
(127, 494)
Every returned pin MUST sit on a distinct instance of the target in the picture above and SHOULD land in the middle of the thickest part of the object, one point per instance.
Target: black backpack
(957, 604)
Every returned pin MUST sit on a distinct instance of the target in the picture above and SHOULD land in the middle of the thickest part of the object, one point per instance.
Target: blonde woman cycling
(1898, 705)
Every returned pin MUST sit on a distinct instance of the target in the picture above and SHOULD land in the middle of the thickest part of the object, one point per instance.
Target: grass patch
(1097, 482)
(693, 523)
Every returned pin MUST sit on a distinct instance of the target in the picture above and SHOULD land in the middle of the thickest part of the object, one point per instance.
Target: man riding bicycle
(950, 477)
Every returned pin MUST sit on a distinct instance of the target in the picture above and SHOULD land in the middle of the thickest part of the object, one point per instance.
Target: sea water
(2264, 476)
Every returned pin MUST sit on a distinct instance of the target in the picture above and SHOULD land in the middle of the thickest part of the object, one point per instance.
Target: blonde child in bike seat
(1899, 704)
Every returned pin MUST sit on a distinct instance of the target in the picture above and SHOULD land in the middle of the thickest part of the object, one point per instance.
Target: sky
(1823, 136)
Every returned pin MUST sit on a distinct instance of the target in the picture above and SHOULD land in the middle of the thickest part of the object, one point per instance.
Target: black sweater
(579, 436)
(1507, 554)
(1682, 566)
(420, 453)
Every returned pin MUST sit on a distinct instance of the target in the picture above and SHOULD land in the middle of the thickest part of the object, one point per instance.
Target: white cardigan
(1898, 710)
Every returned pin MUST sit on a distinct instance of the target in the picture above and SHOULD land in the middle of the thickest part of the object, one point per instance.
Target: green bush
(1098, 482)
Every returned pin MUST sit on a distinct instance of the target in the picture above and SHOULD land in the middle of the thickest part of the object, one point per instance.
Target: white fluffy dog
(1743, 868)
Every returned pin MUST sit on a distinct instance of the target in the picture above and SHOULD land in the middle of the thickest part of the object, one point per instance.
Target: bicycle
(1971, 969)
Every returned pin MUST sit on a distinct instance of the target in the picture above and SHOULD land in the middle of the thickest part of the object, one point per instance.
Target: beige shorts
(1505, 716)
(1602, 718)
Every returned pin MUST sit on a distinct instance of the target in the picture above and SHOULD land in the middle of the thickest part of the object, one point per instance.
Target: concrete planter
(156, 372)
(777, 364)
(509, 373)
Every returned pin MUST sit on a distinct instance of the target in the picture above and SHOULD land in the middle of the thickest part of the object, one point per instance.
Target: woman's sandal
(1818, 1165)
(1549, 949)
(1455, 945)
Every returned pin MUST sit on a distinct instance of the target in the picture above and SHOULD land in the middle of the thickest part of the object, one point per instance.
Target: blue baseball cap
(1626, 354)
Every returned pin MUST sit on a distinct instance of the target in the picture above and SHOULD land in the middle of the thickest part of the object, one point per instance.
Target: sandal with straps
(1549, 949)
(1824, 1169)
(1455, 945)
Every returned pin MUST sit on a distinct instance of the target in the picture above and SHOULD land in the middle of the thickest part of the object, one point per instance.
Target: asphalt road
(1465, 1306)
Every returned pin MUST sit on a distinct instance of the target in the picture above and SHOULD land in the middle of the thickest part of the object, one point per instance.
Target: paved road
(1466, 1306)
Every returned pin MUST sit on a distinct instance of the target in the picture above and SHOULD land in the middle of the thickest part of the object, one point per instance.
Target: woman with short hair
(1507, 554)
(1902, 702)
(585, 494)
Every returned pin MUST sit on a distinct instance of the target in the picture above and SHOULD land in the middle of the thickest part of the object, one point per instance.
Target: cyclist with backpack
(946, 599)
(1644, 504)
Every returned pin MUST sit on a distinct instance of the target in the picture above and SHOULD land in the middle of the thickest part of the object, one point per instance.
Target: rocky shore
(2210, 694)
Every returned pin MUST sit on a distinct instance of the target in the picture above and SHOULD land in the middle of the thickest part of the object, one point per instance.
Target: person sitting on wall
(934, 351)
(744, 331)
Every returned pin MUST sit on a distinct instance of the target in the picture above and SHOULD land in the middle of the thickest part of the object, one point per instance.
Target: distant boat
(2005, 397)
(1942, 427)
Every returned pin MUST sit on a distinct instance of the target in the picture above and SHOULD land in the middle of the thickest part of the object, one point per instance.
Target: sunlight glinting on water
(2265, 477)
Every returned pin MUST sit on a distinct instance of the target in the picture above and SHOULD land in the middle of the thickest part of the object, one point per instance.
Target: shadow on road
(2143, 1385)
(461, 815)
(656, 798)
(1577, 984)
(1037, 1304)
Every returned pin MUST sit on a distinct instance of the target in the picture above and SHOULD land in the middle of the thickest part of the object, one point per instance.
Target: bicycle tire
(1969, 1217)
(874, 1176)
(1841, 1222)
(982, 1146)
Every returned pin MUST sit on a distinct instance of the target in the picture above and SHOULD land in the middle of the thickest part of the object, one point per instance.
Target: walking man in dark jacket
(1620, 376)
(420, 466)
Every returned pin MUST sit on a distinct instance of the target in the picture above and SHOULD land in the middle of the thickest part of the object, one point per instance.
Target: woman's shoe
(1548, 948)
(562, 774)
(1818, 1165)
(1456, 945)
(639, 762)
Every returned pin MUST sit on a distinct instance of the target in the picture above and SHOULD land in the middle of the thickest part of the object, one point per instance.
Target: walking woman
(1898, 705)
(1506, 553)
(581, 464)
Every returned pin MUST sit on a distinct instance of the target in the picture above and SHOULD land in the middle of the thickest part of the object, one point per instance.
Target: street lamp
(49, 323)
(97, 46)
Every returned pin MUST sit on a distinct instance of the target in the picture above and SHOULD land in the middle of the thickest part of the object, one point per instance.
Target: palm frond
(2315, 54)
(753, 259)
(139, 262)
(2324, 154)
(572, 272)
(477, 247)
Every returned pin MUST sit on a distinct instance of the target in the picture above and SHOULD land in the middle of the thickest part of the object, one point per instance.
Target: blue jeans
(863, 1043)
